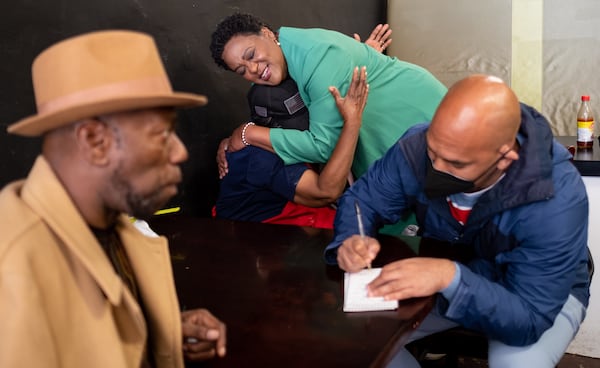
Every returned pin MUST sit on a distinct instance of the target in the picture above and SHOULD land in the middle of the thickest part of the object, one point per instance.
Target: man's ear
(94, 139)
(511, 156)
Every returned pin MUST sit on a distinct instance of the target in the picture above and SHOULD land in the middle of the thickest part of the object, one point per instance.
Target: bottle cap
(585, 98)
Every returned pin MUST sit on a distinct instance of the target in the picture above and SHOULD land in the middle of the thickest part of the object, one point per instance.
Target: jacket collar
(149, 258)
(527, 180)
(44, 193)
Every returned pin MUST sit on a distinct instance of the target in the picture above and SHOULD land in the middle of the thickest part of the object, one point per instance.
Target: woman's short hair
(233, 25)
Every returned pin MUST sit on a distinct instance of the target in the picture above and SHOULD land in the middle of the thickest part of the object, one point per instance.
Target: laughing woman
(401, 94)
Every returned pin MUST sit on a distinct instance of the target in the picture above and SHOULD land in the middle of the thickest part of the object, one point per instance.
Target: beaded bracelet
(244, 133)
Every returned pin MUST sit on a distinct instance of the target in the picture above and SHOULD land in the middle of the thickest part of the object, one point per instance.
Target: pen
(361, 227)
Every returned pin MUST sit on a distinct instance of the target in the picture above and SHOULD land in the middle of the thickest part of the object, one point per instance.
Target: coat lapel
(46, 196)
(151, 263)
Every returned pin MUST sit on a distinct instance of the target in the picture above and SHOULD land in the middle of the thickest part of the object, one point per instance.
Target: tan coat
(61, 302)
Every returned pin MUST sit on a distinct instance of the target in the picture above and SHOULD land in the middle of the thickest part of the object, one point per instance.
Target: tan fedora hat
(98, 73)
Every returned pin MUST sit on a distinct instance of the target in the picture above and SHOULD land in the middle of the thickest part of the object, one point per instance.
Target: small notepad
(355, 293)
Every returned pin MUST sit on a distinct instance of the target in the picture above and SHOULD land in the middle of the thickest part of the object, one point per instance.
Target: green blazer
(400, 95)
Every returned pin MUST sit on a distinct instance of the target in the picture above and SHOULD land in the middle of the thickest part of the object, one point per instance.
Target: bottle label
(585, 131)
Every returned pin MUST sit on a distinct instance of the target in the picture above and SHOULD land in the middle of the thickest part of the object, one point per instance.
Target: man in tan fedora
(79, 285)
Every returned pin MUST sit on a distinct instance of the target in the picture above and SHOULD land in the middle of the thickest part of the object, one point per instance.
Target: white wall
(587, 341)
(546, 50)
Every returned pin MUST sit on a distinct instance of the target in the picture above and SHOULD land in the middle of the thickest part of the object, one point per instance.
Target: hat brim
(38, 124)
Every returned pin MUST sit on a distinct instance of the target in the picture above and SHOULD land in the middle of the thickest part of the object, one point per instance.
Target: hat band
(132, 88)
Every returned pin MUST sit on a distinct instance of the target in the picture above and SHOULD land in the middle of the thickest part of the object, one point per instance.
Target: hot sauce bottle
(585, 125)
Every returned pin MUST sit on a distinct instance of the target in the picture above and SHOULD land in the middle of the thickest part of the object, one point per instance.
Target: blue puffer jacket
(529, 232)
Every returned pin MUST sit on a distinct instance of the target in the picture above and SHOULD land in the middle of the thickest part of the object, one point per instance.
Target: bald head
(480, 110)
(473, 132)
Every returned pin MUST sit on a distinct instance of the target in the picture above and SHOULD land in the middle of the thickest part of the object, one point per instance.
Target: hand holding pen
(361, 226)
(357, 251)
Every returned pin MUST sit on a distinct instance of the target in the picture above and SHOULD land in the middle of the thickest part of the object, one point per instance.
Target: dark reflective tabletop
(281, 303)
(586, 161)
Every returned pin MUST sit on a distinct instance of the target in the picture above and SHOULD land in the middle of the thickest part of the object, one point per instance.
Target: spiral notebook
(355, 293)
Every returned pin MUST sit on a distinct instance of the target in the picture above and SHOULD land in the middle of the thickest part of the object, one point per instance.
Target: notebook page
(355, 293)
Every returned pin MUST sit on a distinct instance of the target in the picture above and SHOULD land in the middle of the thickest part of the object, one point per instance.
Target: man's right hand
(204, 335)
(357, 252)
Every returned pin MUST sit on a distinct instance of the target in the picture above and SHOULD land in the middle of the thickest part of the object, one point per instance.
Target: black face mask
(442, 184)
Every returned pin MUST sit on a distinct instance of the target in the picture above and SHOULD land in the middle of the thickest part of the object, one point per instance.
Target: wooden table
(281, 303)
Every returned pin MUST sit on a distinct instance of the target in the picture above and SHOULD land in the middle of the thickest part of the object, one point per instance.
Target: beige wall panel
(571, 61)
(453, 39)
(526, 61)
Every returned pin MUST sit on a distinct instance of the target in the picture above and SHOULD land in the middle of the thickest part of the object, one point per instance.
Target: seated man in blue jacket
(486, 173)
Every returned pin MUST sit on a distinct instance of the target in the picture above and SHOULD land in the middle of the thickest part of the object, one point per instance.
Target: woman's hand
(232, 143)
(379, 38)
(222, 158)
(353, 104)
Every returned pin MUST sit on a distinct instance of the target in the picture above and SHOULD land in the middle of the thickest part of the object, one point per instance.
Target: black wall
(182, 30)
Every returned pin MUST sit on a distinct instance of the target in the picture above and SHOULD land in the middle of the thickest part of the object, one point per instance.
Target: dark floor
(568, 361)
(468, 349)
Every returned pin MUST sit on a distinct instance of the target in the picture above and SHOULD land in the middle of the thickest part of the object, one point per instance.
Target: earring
(277, 42)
